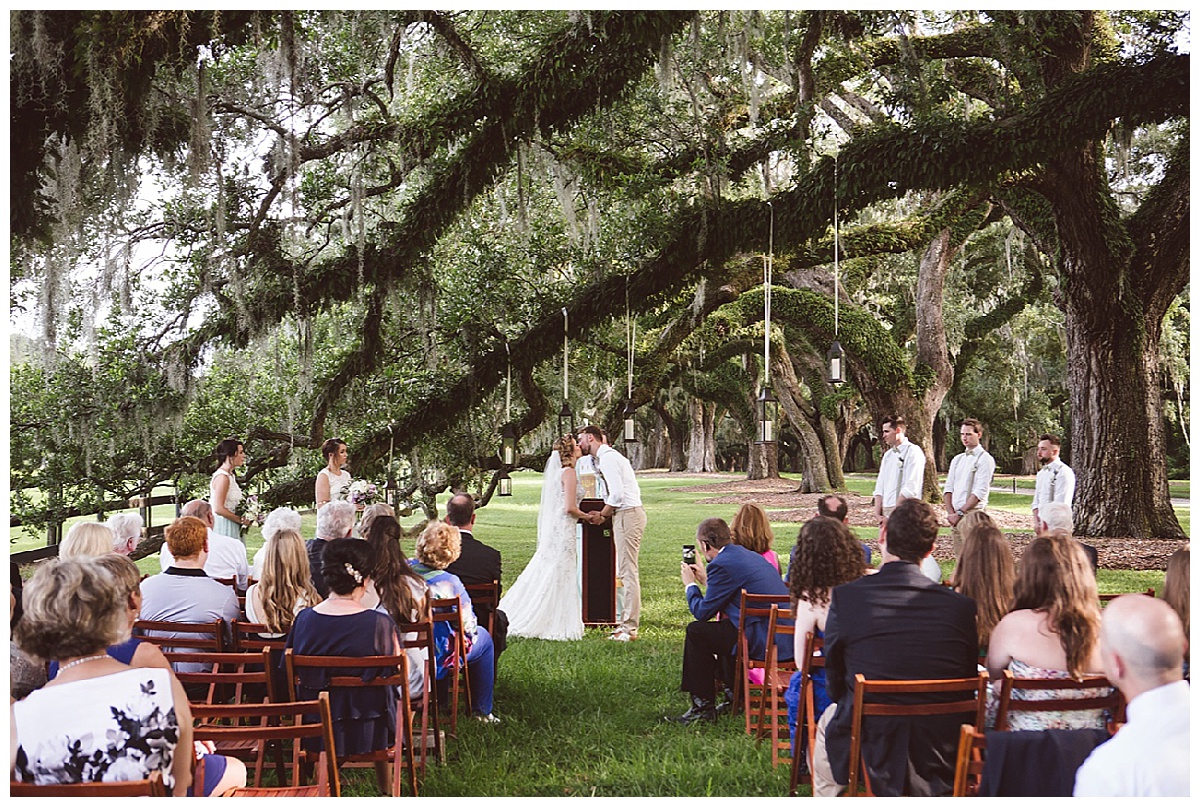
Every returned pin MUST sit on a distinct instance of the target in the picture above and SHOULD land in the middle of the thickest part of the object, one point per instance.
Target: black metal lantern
(630, 432)
(768, 416)
(837, 363)
(503, 483)
(508, 446)
(566, 420)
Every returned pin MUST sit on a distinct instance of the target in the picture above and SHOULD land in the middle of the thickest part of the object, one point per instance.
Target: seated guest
(184, 593)
(226, 555)
(133, 651)
(25, 674)
(710, 644)
(334, 520)
(100, 720)
(985, 571)
(1177, 591)
(1052, 631)
(826, 555)
(752, 529)
(86, 539)
(1141, 646)
(477, 564)
(369, 514)
(1056, 518)
(279, 519)
(127, 532)
(285, 588)
(364, 720)
(836, 507)
(437, 547)
(400, 591)
(896, 624)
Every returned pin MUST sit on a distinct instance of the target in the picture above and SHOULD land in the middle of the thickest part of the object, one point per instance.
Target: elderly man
(1055, 517)
(834, 506)
(127, 532)
(281, 518)
(901, 469)
(184, 593)
(1055, 481)
(334, 520)
(226, 556)
(1141, 647)
(969, 479)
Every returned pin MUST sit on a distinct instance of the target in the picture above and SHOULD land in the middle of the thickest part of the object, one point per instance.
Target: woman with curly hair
(1052, 631)
(985, 572)
(752, 529)
(826, 555)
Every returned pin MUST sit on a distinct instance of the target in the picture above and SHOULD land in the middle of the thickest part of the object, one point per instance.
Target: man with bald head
(1141, 646)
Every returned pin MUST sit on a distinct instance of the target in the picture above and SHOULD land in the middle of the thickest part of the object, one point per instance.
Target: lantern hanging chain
(507, 383)
(565, 328)
(768, 261)
(835, 246)
(629, 326)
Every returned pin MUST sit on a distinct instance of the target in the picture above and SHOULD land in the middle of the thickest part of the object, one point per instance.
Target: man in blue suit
(710, 645)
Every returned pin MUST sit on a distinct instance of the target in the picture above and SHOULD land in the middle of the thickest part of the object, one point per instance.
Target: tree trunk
(710, 437)
(812, 456)
(697, 438)
(764, 460)
(674, 438)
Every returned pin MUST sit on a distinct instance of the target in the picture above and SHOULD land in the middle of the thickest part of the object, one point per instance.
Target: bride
(545, 603)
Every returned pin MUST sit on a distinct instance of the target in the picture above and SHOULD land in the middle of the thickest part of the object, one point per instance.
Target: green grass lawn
(586, 718)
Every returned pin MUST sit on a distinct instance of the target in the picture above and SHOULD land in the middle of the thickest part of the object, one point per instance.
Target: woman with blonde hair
(1052, 631)
(985, 572)
(544, 603)
(285, 588)
(438, 546)
(1177, 591)
(752, 529)
(86, 539)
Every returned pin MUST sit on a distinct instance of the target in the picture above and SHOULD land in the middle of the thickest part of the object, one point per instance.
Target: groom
(623, 503)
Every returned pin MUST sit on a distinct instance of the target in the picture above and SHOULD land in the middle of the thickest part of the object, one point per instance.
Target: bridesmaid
(223, 492)
(333, 484)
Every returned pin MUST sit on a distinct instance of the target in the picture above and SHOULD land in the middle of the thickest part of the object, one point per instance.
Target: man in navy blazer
(896, 624)
(710, 644)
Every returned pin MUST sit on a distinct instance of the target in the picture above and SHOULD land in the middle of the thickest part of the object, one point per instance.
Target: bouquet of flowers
(251, 508)
(363, 492)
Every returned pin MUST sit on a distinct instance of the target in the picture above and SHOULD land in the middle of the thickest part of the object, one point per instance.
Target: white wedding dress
(545, 601)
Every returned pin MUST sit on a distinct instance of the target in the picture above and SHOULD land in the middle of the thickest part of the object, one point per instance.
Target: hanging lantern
(768, 416)
(503, 483)
(566, 420)
(837, 362)
(508, 446)
(630, 432)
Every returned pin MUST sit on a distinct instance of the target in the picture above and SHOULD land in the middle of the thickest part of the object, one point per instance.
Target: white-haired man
(281, 518)
(334, 520)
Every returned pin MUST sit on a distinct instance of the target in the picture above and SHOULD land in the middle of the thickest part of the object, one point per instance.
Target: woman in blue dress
(224, 494)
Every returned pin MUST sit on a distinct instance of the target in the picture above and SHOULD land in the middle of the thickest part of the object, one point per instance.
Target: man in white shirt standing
(1141, 648)
(1055, 481)
(623, 503)
(226, 556)
(901, 470)
(969, 480)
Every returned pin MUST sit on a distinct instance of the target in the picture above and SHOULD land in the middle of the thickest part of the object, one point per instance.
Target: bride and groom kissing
(545, 603)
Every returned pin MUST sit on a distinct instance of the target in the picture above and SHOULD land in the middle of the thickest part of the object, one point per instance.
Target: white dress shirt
(226, 559)
(970, 472)
(901, 472)
(1055, 483)
(1149, 756)
(620, 482)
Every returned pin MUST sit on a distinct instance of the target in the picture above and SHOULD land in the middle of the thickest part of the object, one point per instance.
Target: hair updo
(330, 447)
(226, 449)
(346, 564)
(565, 446)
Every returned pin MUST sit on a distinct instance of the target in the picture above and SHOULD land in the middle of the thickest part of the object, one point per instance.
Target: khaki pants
(822, 771)
(957, 539)
(629, 524)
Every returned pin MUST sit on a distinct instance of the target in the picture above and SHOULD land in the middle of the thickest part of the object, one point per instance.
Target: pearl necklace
(83, 660)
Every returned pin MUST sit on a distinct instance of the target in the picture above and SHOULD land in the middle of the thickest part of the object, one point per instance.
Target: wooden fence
(54, 534)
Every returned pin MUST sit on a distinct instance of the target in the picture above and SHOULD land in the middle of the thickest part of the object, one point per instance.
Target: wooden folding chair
(246, 636)
(1105, 599)
(448, 610)
(420, 635)
(395, 668)
(812, 659)
(1111, 702)
(485, 596)
(153, 786)
(752, 606)
(972, 701)
(777, 675)
(209, 636)
(242, 677)
(968, 766)
(275, 723)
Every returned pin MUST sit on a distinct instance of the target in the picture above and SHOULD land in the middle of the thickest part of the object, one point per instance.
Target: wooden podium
(598, 556)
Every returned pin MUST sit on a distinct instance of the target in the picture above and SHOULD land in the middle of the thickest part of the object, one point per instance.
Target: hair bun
(355, 573)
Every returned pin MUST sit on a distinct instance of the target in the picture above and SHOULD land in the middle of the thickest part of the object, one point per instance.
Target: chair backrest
(172, 635)
(152, 786)
(273, 722)
(1105, 599)
(971, 701)
(779, 623)
(394, 669)
(756, 606)
(1110, 701)
(968, 766)
(240, 676)
(245, 636)
(485, 596)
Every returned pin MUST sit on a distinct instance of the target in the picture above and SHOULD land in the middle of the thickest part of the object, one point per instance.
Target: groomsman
(969, 480)
(901, 470)
(1055, 481)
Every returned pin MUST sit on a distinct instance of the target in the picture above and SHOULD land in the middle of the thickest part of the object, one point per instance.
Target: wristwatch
(960, 512)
